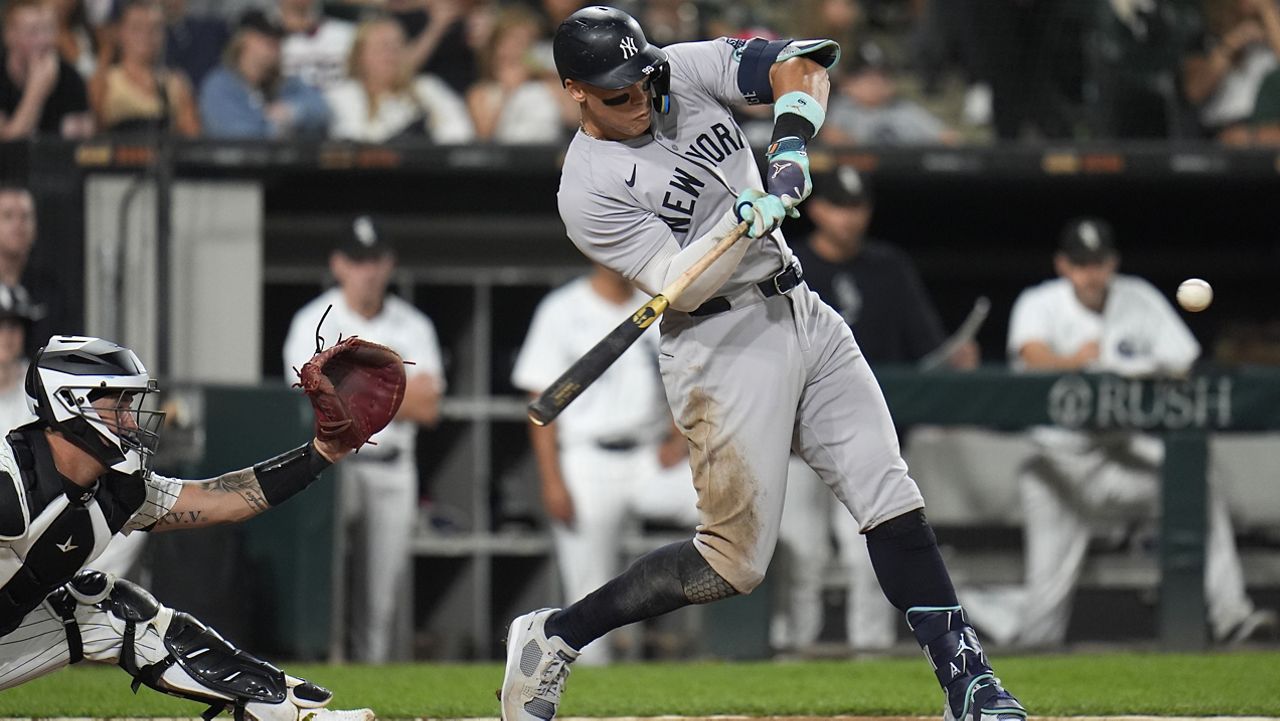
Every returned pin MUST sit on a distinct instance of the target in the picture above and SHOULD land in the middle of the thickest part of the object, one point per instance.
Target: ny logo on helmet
(628, 46)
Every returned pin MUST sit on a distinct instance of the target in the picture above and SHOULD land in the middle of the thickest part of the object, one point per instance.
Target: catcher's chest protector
(52, 527)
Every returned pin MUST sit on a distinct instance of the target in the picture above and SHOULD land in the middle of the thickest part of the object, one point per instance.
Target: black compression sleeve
(289, 473)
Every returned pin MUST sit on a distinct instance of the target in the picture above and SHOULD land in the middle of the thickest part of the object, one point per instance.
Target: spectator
(1092, 319)
(840, 20)
(1221, 79)
(671, 21)
(40, 93)
(552, 12)
(379, 486)
(316, 48)
(193, 43)
(1031, 53)
(439, 38)
(515, 102)
(17, 237)
(615, 453)
(138, 92)
(75, 37)
(1266, 111)
(869, 111)
(382, 100)
(247, 97)
(878, 291)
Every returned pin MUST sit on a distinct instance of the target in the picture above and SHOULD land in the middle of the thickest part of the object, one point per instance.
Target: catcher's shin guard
(195, 662)
(973, 693)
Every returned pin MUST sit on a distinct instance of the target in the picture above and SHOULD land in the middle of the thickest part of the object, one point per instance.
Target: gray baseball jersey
(750, 384)
(622, 201)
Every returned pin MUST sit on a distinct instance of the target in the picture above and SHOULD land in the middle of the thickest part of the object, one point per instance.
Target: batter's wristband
(288, 473)
(803, 105)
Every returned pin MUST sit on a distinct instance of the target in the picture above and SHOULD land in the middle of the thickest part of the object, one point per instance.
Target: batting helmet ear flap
(658, 85)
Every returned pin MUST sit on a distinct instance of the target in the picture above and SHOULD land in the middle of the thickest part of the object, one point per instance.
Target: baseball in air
(1194, 295)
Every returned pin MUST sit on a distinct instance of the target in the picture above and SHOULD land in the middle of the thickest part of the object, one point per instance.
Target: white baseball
(1195, 294)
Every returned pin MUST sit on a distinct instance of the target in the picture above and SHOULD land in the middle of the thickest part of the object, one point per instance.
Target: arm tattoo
(174, 518)
(243, 483)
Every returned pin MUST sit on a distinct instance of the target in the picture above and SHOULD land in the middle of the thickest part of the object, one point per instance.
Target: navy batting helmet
(605, 47)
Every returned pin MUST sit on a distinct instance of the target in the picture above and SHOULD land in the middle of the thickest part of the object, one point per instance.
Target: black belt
(617, 445)
(376, 456)
(784, 281)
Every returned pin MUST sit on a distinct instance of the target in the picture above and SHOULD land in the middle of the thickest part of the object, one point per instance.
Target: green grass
(1235, 684)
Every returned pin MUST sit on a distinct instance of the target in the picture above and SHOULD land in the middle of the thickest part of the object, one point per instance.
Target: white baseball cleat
(537, 667)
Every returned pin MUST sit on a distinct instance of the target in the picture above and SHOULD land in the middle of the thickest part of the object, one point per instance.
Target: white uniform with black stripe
(1078, 480)
(749, 384)
(380, 483)
(625, 407)
(49, 529)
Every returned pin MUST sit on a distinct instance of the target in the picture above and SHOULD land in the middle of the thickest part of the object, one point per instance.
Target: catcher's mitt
(355, 388)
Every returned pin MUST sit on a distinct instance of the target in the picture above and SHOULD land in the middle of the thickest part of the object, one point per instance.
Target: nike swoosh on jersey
(631, 182)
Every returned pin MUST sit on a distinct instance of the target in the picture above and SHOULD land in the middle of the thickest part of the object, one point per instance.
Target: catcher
(81, 473)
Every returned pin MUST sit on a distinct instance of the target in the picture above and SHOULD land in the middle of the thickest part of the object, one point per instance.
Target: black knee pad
(125, 600)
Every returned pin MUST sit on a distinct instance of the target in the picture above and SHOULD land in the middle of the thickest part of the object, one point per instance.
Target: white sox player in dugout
(754, 364)
(77, 476)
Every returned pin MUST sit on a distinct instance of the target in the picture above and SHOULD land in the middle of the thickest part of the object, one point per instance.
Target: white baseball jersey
(621, 201)
(1081, 478)
(318, 58)
(1138, 331)
(428, 103)
(627, 401)
(399, 326)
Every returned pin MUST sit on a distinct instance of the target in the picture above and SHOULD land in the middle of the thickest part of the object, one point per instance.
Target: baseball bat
(596, 361)
(965, 333)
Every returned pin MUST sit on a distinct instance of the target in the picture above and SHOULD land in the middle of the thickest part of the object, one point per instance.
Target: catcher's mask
(92, 391)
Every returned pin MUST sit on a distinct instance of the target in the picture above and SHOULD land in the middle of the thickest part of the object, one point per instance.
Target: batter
(754, 364)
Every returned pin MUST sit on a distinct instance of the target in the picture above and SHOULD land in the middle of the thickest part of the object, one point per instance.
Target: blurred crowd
(464, 71)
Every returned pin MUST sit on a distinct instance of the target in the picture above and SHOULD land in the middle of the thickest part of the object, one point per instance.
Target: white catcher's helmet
(69, 373)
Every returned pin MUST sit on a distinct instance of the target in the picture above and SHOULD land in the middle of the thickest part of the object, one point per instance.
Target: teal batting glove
(765, 212)
(787, 175)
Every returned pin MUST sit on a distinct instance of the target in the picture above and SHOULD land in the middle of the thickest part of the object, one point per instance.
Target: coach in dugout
(379, 484)
(615, 453)
(1090, 318)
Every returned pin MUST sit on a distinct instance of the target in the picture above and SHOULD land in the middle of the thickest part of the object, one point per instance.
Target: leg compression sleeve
(661, 581)
(904, 553)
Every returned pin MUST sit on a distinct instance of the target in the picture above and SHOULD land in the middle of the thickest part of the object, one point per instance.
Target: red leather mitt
(355, 387)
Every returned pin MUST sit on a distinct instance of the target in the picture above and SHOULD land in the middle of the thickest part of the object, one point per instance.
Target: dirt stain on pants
(727, 490)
